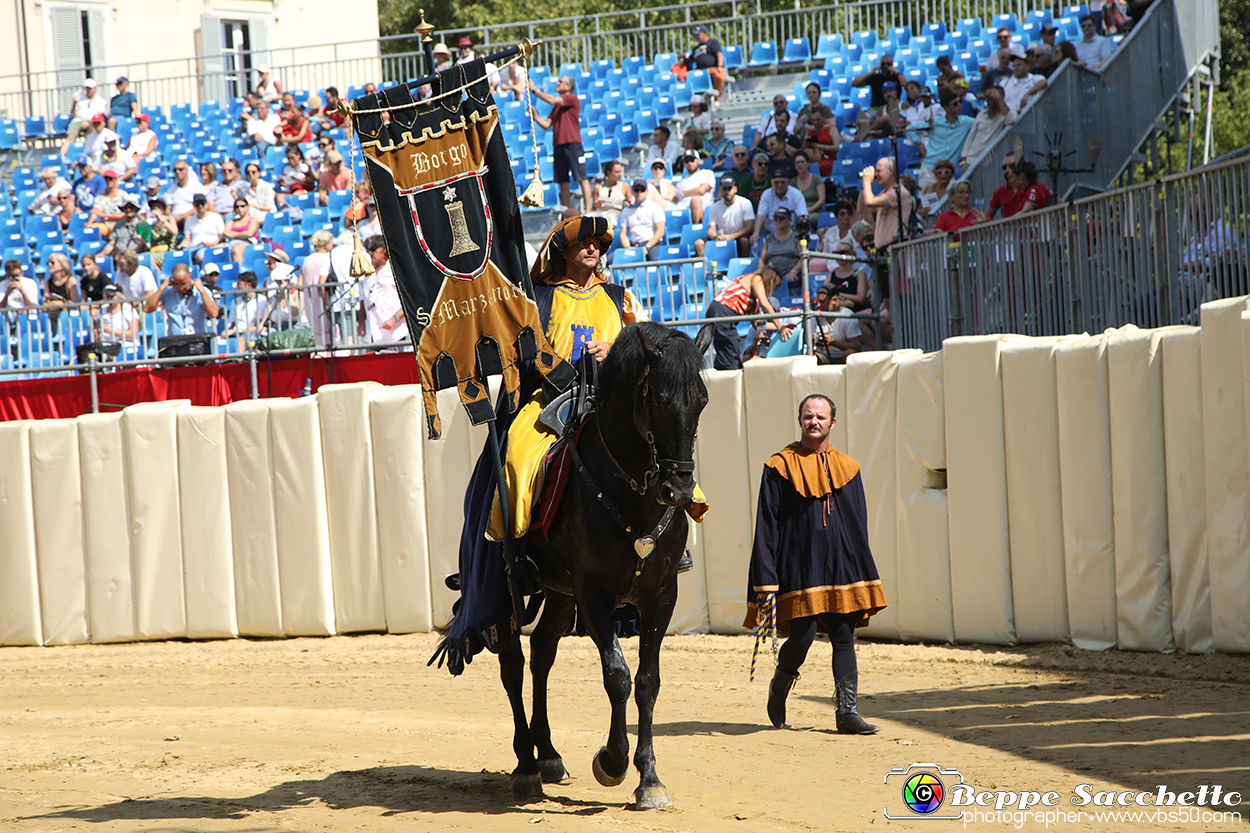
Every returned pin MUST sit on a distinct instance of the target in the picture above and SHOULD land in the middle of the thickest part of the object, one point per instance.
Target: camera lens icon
(923, 793)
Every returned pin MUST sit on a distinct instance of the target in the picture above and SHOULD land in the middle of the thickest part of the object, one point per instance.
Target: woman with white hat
(268, 88)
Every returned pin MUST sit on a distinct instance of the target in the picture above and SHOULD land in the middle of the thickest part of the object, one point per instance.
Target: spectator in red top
(1032, 194)
(962, 213)
(295, 129)
(822, 139)
(330, 116)
(1003, 194)
(566, 137)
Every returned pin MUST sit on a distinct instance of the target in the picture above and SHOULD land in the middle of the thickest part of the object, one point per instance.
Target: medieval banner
(447, 205)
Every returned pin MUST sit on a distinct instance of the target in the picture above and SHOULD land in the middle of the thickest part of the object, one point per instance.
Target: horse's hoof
(652, 798)
(553, 771)
(601, 775)
(527, 785)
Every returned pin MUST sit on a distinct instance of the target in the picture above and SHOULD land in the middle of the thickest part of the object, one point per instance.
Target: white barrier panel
(771, 422)
(448, 463)
(301, 524)
(1227, 471)
(20, 621)
(871, 433)
(1034, 507)
(976, 477)
(397, 424)
(1143, 583)
(106, 528)
(1186, 489)
(690, 614)
(249, 465)
(722, 452)
(924, 566)
(1085, 487)
(348, 450)
(207, 549)
(151, 432)
(56, 494)
(829, 379)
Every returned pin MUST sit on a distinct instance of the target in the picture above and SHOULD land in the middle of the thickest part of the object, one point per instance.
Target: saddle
(566, 415)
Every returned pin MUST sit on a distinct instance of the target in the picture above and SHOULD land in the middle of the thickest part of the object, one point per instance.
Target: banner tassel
(362, 265)
(532, 197)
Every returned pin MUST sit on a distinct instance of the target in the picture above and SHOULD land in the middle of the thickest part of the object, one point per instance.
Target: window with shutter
(68, 54)
(210, 62)
(258, 38)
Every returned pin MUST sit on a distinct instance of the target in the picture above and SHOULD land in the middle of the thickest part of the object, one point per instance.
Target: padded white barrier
(56, 494)
(1186, 489)
(771, 421)
(20, 620)
(249, 466)
(924, 562)
(690, 614)
(829, 379)
(1034, 507)
(1224, 413)
(728, 481)
(976, 478)
(1085, 488)
(1143, 579)
(301, 522)
(207, 547)
(106, 528)
(151, 442)
(871, 433)
(397, 424)
(359, 603)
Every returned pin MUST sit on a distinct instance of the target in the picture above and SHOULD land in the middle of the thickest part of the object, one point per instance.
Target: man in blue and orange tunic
(811, 560)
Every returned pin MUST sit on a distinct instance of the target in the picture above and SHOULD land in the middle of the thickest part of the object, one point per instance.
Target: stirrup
(685, 564)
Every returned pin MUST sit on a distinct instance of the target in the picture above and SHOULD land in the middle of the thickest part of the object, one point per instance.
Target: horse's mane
(627, 358)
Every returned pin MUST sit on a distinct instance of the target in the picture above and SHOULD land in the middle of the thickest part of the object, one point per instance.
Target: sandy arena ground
(356, 733)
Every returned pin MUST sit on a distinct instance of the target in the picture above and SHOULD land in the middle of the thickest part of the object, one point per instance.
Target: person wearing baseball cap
(143, 141)
(87, 185)
(1020, 87)
(707, 54)
(731, 217)
(697, 187)
(86, 104)
(267, 88)
(335, 176)
(641, 225)
(124, 105)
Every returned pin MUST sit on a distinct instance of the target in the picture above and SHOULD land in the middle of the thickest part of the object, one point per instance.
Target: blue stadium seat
(1007, 20)
(633, 65)
(9, 138)
(219, 255)
(1040, 16)
(739, 266)
(733, 57)
(36, 127)
(628, 135)
(827, 45)
(719, 253)
(763, 54)
(969, 25)
(936, 31)
(798, 49)
(275, 220)
(865, 39)
(675, 219)
(60, 123)
(254, 259)
(173, 258)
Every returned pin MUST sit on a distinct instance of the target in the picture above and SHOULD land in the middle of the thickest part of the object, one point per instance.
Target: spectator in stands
(779, 155)
(691, 142)
(124, 105)
(1003, 194)
(369, 225)
(718, 147)
(660, 189)
(53, 185)
(613, 194)
(87, 185)
(946, 139)
(803, 123)
(278, 265)
(917, 114)
(1041, 60)
(697, 189)
(835, 235)
(731, 217)
(204, 229)
(566, 136)
(296, 178)
(330, 118)
(945, 71)
(380, 309)
(1019, 88)
(745, 295)
(93, 145)
(143, 141)
(242, 229)
(335, 177)
(370, 88)
(296, 128)
(258, 193)
(262, 127)
(136, 280)
(936, 191)
(512, 81)
(118, 321)
(780, 249)
(187, 303)
(287, 106)
(125, 232)
(641, 225)
(822, 142)
(249, 308)
(117, 159)
(315, 155)
(268, 90)
(20, 292)
(60, 288)
(788, 139)
(758, 183)
(848, 280)
(220, 193)
(962, 213)
(151, 190)
(285, 302)
(888, 227)
(467, 54)
(768, 121)
(985, 128)
(313, 275)
(811, 186)
(1030, 194)
(1067, 52)
(998, 74)
(663, 149)
(876, 79)
(1092, 50)
(835, 338)
(700, 121)
(248, 110)
(85, 106)
(91, 285)
(312, 112)
(708, 54)
(1048, 32)
(880, 120)
(741, 170)
(164, 230)
(67, 207)
(182, 190)
(781, 195)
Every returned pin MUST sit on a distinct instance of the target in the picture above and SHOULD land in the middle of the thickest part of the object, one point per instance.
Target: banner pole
(509, 551)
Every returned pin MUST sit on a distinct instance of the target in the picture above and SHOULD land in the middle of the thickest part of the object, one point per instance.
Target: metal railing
(1149, 255)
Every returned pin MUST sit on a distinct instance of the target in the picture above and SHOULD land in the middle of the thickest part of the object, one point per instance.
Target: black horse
(616, 540)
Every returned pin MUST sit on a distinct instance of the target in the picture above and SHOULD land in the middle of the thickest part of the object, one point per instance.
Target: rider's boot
(848, 720)
(778, 690)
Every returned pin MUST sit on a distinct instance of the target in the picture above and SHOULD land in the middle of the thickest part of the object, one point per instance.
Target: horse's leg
(611, 762)
(526, 781)
(654, 618)
(554, 623)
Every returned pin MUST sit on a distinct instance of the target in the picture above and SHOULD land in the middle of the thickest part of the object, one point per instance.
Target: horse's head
(653, 374)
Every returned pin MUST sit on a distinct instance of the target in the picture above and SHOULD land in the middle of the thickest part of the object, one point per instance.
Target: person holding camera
(876, 79)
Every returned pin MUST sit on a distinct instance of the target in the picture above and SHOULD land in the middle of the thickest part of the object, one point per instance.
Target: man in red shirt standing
(1004, 195)
(566, 137)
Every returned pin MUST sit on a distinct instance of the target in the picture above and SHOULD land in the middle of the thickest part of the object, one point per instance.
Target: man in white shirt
(781, 195)
(381, 309)
(135, 280)
(642, 225)
(20, 292)
(182, 190)
(249, 308)
(730, 218)
(203, 229)
(768, 121)
(988, 124)
(697, 188)
(117, 159)
(93, 145)
(261, 126)
(1093, 50)
(86, 106)
(45, 202)
(143, 141)
(661, 148)
(1019, 88)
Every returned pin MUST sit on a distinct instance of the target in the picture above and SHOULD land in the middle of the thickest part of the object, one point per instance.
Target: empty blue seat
(827, 45)
(36, 127)
(798, 49)
(1000, 21)
(763, 54)
(969, 25)
(720, 253)
(173, 258)
(866, 39)
(936, 31)
(733, 57)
